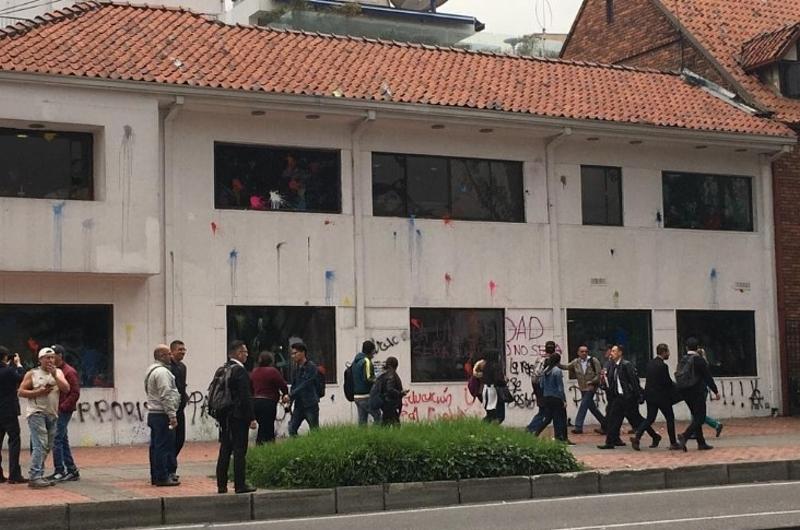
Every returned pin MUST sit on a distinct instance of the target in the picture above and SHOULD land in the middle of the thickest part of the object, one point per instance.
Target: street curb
(287, 504)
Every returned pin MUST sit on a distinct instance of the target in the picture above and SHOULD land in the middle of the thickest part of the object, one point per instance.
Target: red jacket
(68, 402)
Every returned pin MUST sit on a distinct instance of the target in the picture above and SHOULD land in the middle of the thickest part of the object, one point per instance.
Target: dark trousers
(553, 410)
(653, 406)
(697, 406)
(10, 427)
(266, 410)
(498, 415)
(622, 408)
(390, 416)
(301, 413)
(162, 447)
(233, 441)
(180, 439)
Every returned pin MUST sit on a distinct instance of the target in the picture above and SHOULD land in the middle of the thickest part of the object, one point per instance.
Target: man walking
(235, 422)
(42, 387)
(162, 402)
(586, 370)
(363, 379)
(692, 378)
(177, 351)
(537, 421)
(658, 392)
(65, 468)
(11, 374)
(304, 392)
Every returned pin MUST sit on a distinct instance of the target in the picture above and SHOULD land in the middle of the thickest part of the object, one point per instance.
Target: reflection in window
(707, 202)
(443, 187)
(276, 328)
(444, 341)
(85, 331)
(46, 164)
(728, 338)
(250, 177)
(601, 328)
(601, 195)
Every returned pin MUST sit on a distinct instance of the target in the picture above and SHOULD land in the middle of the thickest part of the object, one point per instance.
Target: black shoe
(635, 443)
(577, 431)
(166, 483)
(600, 431)
(704, 447)
(71, 476)
(605, 446)
(631, 431)
(173, 476)
(569, 442)
(675, 447)
(222, 489)
(656, 441)
(620, 443)
(246, 489)
(682, 442)
(719, 429)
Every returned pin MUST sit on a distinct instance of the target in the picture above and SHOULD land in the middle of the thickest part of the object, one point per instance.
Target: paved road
(759, 506)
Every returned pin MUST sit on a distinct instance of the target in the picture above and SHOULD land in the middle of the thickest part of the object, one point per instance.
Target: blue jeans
(588, 403)
(62, 454)
(43, 430)
(302, 413)
(362, 405)
(162, 446)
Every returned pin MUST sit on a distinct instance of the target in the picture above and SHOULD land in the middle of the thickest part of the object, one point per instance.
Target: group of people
(378, 397)
(51, 390)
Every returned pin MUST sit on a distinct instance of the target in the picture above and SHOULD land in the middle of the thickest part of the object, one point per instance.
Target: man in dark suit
(177, 352)
(695, 395)
(235, 422)
(659, 392)
(11, 374)
(624, 392)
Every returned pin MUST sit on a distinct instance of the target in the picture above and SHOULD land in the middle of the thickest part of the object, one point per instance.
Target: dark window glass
(256, 177)
(85, 331)
(707, 202)
(790, 78)
(443, 341)
(275, 328)
(46, 164)
(601, 195)
(600, 329)
(438, 187)
(728, 338)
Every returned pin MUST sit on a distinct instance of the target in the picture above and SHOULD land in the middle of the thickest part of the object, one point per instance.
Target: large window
(601, 328)
(40, 164)
(85, 331)
(728, 338)
(601, 195)
(275, 329)
(257, 177)
(790, 78)
(439, 187)
(443, 341)
(707, 202)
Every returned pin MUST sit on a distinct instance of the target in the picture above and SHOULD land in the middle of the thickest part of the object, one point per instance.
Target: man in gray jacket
(163, 400)
(586, 369)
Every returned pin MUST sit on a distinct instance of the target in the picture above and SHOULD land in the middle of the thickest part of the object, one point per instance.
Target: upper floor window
(257, 177)
(39, 164)
(438, 187)
(601, 195)
(789, 72)
(707, 202)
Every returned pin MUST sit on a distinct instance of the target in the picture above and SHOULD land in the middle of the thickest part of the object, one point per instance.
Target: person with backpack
(494, 388)
(692, 378)
(387, 394)
(304, 391)
(163, 400)
(363, 379)
(659, 392)
(554, 402)
(586, 369)
(536, 387)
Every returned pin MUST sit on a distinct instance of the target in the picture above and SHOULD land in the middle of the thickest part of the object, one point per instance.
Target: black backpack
(349, 384)
(320, 383)
(220, 400)
(376, 398)
(686, 375)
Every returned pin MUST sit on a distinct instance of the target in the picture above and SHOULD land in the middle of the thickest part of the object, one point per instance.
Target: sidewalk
(118, 473)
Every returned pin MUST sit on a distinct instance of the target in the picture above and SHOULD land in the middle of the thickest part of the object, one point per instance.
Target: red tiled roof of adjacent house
(722, 27)
(768, 47)
(173, 46)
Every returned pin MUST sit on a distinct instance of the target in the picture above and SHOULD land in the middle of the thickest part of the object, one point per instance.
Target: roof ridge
(768, 32)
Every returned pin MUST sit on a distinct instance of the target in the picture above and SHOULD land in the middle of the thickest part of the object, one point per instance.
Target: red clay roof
(722, 27)
(172, 46)
(768, 47)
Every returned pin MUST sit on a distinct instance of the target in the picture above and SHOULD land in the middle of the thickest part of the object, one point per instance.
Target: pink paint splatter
(417, 323)
(213, 228)
(257, 203)
(448, 278)
(492, 287)
(328, 222)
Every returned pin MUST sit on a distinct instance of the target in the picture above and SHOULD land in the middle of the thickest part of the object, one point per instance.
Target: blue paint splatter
(58, 233)
(233, 256)
(233, 262)
(713, 274)
(330, 278)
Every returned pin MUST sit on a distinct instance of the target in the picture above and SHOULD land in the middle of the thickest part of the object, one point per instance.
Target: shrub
(348, 455)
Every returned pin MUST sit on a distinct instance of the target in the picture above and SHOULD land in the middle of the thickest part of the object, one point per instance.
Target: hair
(160, 348)
(550, 343)
(175, 343)
(235, 345)
(391, 362)
(582, 345)
(620, 347)
(553, 360)
(265, 358)
(661, 348)
(299, 346)
(692, 344)
(5, 354)
(368, 347)
(59, 350)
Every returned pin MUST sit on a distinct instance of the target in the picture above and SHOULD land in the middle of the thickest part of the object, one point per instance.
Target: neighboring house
(163, 175)
(749, 47)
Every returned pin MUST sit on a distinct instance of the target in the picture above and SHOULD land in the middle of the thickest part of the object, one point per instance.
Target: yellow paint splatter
(128, 333)
(347, 302)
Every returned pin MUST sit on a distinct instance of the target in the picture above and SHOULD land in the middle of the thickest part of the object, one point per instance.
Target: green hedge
(348, 455)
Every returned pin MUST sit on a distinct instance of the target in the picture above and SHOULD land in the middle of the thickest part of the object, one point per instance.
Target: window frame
(791, 92)
(714, 372)
(718, 177)
(606, 171)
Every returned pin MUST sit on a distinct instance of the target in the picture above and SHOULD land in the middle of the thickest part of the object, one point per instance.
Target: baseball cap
(46, 351)
(58, 349)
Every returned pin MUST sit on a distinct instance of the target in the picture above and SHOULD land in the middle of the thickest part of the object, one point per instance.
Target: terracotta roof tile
(178, 47)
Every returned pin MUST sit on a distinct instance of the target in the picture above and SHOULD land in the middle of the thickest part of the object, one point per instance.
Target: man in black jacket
(658, 392)
(235, 422)
(177, 352)
(695, 395)
(11, 374)
(622, 388)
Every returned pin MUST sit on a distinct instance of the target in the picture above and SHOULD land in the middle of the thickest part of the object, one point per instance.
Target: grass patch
(348, 455)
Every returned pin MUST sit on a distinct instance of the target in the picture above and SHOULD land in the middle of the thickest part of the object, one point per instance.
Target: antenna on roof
(543, 13)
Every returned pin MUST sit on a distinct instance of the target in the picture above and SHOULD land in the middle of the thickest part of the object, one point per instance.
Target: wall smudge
(233, 264)
(58, 233)
(88, 243)
(330, 279)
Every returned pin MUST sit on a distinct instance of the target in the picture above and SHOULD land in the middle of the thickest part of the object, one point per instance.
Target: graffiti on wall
(441, 403)
(526, 334)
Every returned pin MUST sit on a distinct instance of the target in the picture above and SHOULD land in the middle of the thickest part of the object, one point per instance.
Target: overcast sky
(516, 17)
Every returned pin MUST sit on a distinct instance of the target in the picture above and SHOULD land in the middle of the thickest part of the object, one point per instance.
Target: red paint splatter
(328, 222)
(417, 323)
(213, 228)
(447, 221)
(492, 287)
(447, 277)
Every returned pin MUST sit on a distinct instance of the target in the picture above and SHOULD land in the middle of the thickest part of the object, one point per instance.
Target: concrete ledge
(357, 499)
(421, 494)
(33, 517)
(625, 481)
(294, 503)
(115, 514)
(475, 490)
(794, 470)
(743, 472)
(565, 484)
(693, 476)
(207, 509)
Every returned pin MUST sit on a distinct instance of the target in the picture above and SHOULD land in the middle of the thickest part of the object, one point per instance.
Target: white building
(446, 204)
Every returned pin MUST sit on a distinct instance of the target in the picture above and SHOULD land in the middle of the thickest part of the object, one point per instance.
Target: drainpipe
(357, 178)
(168, 220)
(551, 183)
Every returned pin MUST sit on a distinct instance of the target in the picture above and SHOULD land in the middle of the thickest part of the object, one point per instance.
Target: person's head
(237, 349)
(266, 358)
(5, 355)
(549, 347)
(60, 352)
(47, 358)
(368, 348)
(607, 354)
(161, 353)
(662, 350)
(177, 350)
(553, 360)
(299, 353)
(391, 363)
(692, 344)
(617, 351)
(583, 351)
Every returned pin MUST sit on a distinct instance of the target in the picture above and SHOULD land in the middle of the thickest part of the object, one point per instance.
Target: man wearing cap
(42, 387)
(65, 468)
